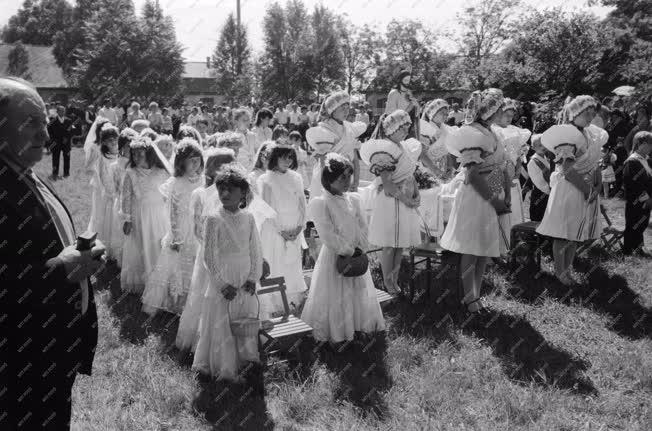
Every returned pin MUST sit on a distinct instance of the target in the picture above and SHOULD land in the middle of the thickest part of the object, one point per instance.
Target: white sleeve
(327, 230)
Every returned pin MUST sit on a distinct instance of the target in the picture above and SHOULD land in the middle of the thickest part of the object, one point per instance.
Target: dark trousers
(538, 204)
(57, 150)
(637, 219)
(38, 402)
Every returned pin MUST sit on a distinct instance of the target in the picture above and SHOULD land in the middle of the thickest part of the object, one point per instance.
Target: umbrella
(624, 90)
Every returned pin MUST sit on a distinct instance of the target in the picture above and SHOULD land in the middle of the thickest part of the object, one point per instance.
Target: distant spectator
(135, 113)
(107, 112)
(642, 124)
(154, 117)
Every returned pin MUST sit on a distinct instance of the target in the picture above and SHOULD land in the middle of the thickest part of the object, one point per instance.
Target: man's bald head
(23, 132)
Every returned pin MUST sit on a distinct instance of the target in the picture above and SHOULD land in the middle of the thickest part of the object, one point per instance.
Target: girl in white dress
(118, 171)
(104, 217)
(473, 229)
(247, 152)
(334, 135)
(168, 286)
(395, 222)
(282, 236)
(261, 130)
(260, 166)
(92, 156)
(233, 257)
(339, 306)
(145, 220)
(514, 140)
(203, 201)
(573, 211)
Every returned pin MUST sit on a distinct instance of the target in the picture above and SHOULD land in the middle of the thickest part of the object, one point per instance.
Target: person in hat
(435, 131)
(637, 178)
(400, 96)
(334, 134)
(515, 140)
(395, 222)
(473, 228)
(573, 211)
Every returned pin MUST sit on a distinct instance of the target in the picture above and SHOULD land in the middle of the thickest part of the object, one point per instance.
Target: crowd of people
(196, 207)
(192, 220)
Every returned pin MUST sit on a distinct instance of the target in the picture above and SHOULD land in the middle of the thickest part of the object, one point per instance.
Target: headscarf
(332, 102)
(393, 121)
(483, 104)
(433, 107)
(576, 106)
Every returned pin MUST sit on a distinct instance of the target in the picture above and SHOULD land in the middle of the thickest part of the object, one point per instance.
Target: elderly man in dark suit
(48, 320)
(60, 130)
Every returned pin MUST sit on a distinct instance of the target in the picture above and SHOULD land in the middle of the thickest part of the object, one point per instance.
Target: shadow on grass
(524, 353)
(234, 406)
(606, 293)
(228, 406)
(362, 371)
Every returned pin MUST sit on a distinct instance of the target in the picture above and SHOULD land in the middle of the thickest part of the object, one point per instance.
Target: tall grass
(545, 358)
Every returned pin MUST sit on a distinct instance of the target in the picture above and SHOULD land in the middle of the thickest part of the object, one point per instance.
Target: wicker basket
(245, 326)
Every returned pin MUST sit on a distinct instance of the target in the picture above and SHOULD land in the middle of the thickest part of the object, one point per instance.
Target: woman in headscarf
(514, 140)
(335, 135)
(395, 223)
(573, 211)
(434, 133)
(473, 229)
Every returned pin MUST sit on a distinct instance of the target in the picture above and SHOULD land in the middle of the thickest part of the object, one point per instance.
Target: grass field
(546, 358)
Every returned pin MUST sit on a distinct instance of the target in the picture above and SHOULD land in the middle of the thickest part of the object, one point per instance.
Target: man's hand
(249, 287)
(266, 270)
(126, 228)
(79, 265)
(648, 203)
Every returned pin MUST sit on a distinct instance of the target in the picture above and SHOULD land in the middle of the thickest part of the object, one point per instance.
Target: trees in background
(231, 62)
(18, 61)
(103, 47)
(115, 53)
(37, 22)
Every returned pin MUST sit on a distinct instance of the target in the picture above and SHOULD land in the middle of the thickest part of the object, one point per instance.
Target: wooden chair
(609, 238)
(287, 328)
(440, 266)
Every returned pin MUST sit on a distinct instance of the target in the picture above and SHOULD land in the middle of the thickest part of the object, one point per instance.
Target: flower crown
(141, 142)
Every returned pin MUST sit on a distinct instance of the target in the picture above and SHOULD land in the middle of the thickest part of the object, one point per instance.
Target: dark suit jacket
(636, 182)
(60, 133)
(41, 323)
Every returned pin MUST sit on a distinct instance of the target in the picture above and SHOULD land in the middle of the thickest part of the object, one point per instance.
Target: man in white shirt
(362, 114)
(294, 116)
(281, 116)
(107, 112)
(193, 117)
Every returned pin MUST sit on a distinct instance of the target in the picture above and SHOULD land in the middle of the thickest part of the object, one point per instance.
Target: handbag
(353, 266)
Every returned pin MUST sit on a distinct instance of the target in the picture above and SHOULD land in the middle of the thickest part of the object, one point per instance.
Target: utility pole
(237, 39)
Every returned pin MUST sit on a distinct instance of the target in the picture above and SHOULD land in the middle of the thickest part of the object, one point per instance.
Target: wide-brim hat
(562, 134)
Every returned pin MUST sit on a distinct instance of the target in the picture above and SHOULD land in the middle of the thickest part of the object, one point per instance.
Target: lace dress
(232, 255)
(91, 164)
(284, 194)
(142, 205)
(339, 306)
(168, 286)
(104, 217)
(188, 332)
(118, 170)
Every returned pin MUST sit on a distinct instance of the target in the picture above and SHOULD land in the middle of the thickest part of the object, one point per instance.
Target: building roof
(43, 68)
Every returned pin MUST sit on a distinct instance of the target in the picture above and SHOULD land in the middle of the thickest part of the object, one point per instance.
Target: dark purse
(353, 266)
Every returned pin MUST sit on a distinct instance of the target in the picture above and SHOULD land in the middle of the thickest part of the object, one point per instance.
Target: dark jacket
(60, 133)
(636, 182)
(41, 321)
